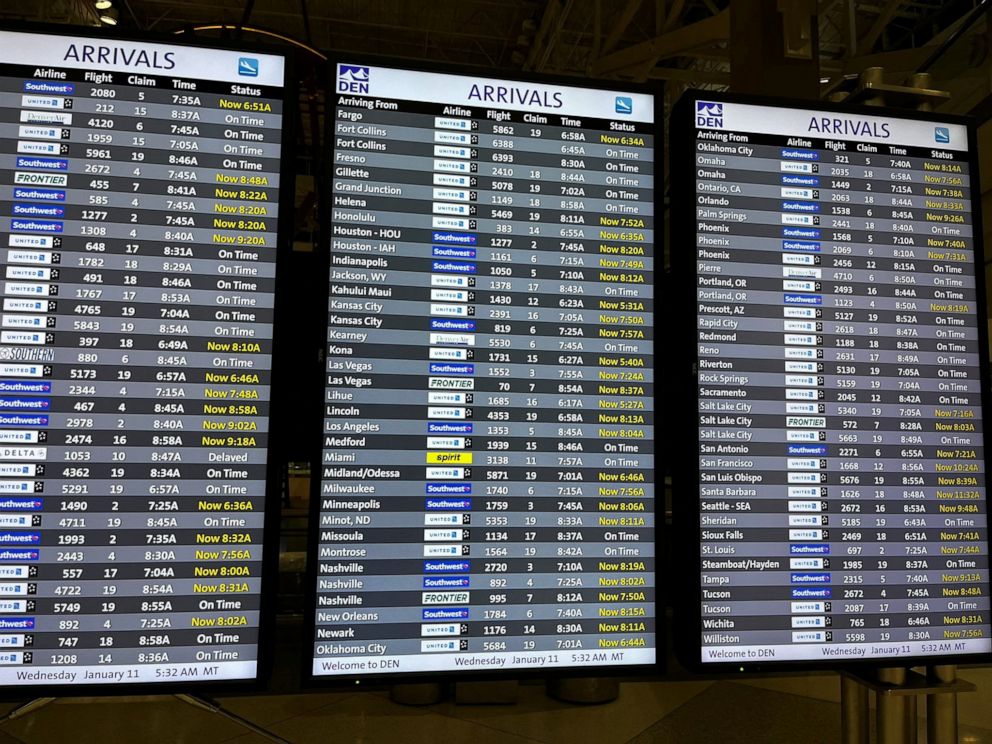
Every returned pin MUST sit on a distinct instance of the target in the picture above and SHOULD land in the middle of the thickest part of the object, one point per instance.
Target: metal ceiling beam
(901, 60)
(540, 53)
(130, 10)
(84, 9)
(306, 22)
(885, 15)
(674, 15)
(929, 18)
(629, 11)
(284, 15)
(672, 44)
(907, 60)
(851, 28)
(597, 29)
(551, 11)
(689, 75)
(408, 46)
(949, 36)
(245, 17)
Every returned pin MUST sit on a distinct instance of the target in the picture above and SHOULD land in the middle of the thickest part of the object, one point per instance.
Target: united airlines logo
(353, 79)
(624, 105)
(247, 67)
(709, 114)
(942, 135)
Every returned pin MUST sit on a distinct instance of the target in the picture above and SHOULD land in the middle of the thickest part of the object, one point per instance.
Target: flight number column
(919, 437)
(576, 287)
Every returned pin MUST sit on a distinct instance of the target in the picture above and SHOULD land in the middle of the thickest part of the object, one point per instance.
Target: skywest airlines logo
(353, 79)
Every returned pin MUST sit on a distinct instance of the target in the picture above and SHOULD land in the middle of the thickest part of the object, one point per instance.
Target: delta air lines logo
(353, 79)
(709, 114)
(247, 67)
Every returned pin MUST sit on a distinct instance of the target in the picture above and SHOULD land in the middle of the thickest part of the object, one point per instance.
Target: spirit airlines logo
(353, 79)
(709, 114)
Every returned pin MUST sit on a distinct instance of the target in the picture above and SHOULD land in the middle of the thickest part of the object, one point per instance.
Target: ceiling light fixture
(109, 16)
(104, 4)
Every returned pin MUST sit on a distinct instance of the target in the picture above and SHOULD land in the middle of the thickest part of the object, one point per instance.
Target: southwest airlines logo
(624, 105)
(942, 135)
(353, 79)
(709, 114)
(247, 67)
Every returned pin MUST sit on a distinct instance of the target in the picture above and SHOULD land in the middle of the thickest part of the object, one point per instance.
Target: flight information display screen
(486, 497)
(840, 351)
(139, 200)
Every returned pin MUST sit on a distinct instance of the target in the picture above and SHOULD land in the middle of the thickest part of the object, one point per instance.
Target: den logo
(709, 114)
(353, 79)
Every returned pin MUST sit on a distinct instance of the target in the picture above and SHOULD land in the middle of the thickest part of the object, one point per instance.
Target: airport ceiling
(683, 42)
(678, 40)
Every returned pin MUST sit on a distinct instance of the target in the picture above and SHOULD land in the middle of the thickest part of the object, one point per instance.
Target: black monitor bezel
(273, 477)
(316, 425)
